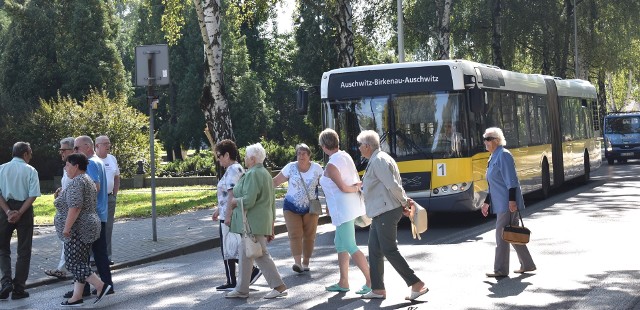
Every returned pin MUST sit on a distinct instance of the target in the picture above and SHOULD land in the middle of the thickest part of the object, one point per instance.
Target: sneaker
(19, 294)
(225, 287)
(297, 268)
(275, 293)
(6, 290)
(236, 294)
(104, 291)
(69, 294)
(95, 292)
(305, 267)
(255, 275)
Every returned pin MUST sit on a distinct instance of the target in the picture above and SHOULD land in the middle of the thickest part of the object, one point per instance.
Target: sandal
(336, 288)
(60, 274)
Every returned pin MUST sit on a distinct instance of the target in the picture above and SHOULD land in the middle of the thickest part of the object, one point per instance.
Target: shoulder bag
(516, 234)
(314, 204)
(252, 248)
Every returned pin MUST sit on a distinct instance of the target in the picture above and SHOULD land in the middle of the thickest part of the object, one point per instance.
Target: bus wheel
(546, 180)
(610, 161)
(587, 169)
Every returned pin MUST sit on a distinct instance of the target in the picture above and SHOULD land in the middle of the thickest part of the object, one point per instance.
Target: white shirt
(111, 169)
(343, 207)
(295, 192)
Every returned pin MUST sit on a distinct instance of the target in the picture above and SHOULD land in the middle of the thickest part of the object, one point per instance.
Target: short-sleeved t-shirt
(226, 183)
(95, 170)
(296, 199)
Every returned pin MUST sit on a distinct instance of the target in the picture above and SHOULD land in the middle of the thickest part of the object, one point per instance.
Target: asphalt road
(582, 242)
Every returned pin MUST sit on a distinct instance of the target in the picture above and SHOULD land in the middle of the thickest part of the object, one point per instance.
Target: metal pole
(150, 101)
(575, 37)
(400, 33)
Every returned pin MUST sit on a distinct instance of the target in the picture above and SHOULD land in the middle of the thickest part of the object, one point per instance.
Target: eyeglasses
(489, 138)
(62, 150)
(75, 148)
(360, 144)
(218, 155)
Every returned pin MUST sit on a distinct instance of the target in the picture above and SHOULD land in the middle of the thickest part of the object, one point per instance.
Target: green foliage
(199, 164)
(96, 115)
(278, 155)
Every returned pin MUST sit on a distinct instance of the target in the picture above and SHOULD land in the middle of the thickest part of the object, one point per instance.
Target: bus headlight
(608, 145)
(454, 187)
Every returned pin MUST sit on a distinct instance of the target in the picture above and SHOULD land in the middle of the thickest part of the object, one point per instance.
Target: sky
(285, 10)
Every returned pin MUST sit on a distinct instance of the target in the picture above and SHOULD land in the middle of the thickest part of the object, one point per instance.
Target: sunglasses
(489, 138)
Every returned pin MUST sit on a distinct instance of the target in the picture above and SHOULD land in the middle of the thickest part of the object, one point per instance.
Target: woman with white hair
(505, 199)
(255, 190)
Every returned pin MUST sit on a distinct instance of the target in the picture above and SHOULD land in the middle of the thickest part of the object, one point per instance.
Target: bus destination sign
(389, 81)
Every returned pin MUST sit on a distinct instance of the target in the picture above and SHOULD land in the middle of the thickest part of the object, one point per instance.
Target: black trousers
(24, 228)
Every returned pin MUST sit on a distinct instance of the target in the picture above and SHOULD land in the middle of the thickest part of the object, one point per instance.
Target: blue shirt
(96, 171)
(18, 180)
(501, 175)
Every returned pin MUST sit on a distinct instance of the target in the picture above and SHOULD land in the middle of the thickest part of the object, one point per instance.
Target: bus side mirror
(302, 101)
(477, 100)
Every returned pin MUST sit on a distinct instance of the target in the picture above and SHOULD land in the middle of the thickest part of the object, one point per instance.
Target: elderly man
(66, 149)
(19, 188)
(385, 201)
(103, 148)
(96, 171)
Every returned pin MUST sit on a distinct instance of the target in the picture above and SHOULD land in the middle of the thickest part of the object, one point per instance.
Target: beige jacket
(382, 185)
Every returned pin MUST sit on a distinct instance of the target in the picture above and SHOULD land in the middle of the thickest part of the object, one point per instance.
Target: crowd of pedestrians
(85, 208)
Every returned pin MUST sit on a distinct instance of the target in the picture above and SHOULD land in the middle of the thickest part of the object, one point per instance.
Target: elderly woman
(505, 199)
(228, 155)
(255, 190)
(78, 225)
(385, 201)
(303, 176)
(341, 184)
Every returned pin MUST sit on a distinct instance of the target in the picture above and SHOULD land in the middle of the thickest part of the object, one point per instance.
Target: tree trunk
(214, 102)
(443, 18)
(496, 43)
(561, 66)
(346, 50)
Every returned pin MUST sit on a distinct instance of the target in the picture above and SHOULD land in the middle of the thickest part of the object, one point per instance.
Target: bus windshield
(622, 125)
(415, 126)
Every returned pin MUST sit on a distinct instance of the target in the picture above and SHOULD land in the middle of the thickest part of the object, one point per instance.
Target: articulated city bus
(431, 117)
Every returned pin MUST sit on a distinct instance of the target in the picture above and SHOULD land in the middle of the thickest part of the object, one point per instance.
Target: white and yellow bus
(431, 117)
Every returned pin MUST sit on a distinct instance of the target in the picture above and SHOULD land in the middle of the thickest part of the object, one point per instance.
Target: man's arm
(116, 185)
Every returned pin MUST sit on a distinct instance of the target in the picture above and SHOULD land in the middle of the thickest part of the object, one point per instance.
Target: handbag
(252, 248)
(231, 242)
(516, 234)
(314, 204)
(362, 220)
(419, 220)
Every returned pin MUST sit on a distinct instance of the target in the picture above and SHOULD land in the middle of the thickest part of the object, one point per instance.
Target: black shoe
(76, 303)
(19, 294)
(111, 291)
(6, 290)
(69, 294)
(111, 263)
(255, 275)
(225, 287)
(104, 291)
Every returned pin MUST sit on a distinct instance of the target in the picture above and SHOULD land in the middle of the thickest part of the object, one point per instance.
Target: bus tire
(610, 161)
(546, 180)
(587, 169)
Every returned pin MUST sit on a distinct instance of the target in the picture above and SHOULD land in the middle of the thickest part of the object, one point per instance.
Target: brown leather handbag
(516, 234)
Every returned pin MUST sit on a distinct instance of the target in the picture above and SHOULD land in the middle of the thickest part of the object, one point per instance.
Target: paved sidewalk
(133, 241)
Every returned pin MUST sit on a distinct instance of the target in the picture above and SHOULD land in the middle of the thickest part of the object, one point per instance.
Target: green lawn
(136, 203)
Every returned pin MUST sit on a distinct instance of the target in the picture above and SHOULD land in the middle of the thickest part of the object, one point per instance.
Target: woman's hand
(216, 213)
(66, 232)
(406, 211)
(513, 207)
(485, 209)
(227, 218)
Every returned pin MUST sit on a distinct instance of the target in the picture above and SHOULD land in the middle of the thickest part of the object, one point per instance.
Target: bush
(198, 164)
(277, 155)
